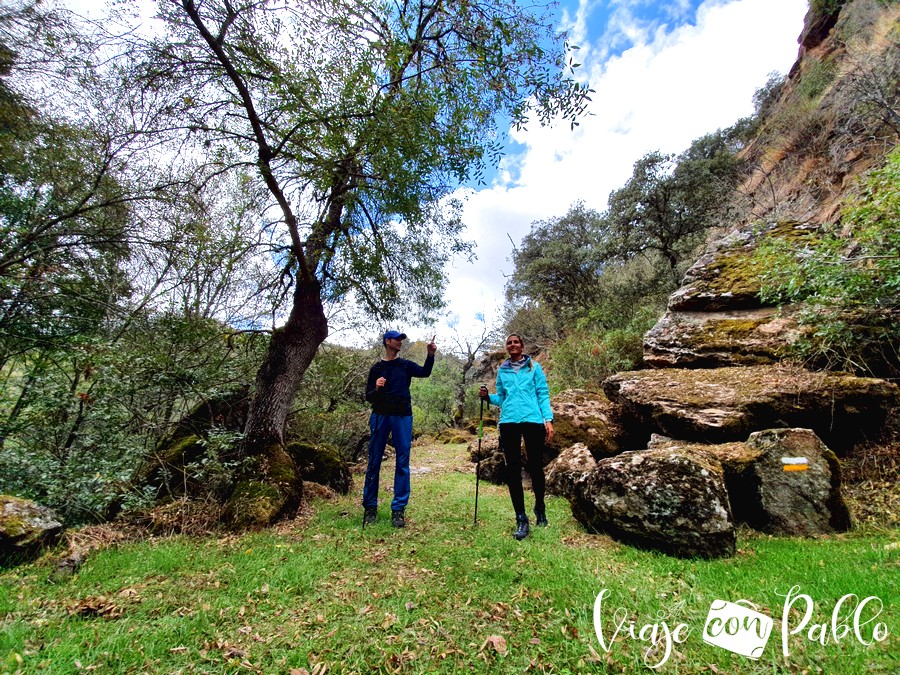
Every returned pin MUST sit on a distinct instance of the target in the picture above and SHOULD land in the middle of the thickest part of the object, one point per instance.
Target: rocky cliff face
(835, 117)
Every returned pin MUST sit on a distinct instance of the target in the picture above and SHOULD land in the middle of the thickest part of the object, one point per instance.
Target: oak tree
(360, 118)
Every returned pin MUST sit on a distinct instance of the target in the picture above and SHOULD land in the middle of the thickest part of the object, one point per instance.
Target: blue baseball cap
(393, 334)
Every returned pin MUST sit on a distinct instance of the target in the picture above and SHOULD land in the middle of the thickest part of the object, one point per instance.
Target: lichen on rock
(26, 528)
(718, 405)
(587, 417)
(568, 468)
(663, 499)
(747, 337)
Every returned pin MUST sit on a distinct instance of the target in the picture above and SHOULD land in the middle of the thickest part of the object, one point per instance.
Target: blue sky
(664, 73)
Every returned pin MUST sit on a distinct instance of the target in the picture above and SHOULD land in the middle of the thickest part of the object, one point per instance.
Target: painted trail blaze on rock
(800, 496)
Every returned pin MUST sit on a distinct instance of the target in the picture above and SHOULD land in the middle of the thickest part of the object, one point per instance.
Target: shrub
(849, 278)
(586, 357)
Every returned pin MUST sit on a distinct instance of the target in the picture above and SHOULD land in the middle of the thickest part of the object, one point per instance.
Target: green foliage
(586, 273)
(374, 127)
(815, 78)
(765, 98)
(588, 355)
(434, 398)
(534, 321)
(560, 262)
(330, 407)
(826, 7)
(77, 421)
(669, 204)
(849, 277)
(215, 470)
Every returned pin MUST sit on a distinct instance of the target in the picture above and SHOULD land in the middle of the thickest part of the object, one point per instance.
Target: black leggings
(511, 435)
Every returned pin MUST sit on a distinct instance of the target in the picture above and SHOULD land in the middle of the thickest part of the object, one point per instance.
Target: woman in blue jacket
(524, 401)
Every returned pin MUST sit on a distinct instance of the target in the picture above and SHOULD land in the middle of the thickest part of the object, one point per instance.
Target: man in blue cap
(388, 391)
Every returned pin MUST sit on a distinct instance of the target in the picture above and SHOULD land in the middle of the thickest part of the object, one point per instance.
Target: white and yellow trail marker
(795, 463)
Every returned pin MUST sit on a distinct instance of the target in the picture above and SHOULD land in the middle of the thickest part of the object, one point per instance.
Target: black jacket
(393, 398)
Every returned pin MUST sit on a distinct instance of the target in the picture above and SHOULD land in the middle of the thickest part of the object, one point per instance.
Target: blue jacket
(523, 395)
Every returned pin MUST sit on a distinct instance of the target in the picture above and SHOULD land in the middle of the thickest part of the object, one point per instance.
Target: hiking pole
(478, 461)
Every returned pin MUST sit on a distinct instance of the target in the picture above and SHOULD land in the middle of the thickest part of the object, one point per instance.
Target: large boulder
(568, 468)
(771, 489)
(321, 464)
(747, 337)
(170, 470)
(488, 458)
(727, 404)
(25, 529)
(590, 418)
(664, 499)
(782, 494)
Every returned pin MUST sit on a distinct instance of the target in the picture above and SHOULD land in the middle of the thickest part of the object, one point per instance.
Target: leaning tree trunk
(273, 485)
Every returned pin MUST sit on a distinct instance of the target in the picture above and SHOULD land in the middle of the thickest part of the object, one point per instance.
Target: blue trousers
(400, 427)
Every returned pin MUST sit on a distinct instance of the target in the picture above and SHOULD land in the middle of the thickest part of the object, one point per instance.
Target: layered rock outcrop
(727, 404)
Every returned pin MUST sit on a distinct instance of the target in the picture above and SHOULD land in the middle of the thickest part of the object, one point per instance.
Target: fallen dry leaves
(497, 642)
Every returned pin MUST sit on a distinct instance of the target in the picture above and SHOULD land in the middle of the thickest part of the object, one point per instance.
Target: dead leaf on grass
(497, 642)
(96, 606)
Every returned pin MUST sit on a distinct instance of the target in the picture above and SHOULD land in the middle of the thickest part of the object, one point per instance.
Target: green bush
(849, 279)
(587, 356)
(434, 398)
(78, 420)
(816, 78)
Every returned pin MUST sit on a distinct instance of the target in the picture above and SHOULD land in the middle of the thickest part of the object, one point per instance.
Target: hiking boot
(521, 527)
(371, 513)
(540, 518)
(398, 518)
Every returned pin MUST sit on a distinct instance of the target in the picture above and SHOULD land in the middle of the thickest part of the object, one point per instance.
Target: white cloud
(670, 87)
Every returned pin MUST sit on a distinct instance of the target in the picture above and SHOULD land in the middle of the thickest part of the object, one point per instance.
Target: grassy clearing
(442, 596)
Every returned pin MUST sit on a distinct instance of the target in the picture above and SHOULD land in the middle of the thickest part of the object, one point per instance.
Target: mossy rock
(488, 421)
(228, 412)
(718, 405)
(662, 499)
(452, 437)
(26, 528)
(165, 471)
(271, 488)
(726, 277)
(254, 504)
(766, 497)
(748, 337)
(321, 464)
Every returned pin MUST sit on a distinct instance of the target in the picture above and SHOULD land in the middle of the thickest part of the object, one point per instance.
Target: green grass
(432, 598)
